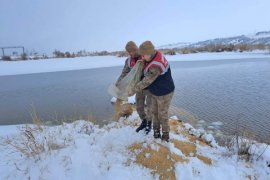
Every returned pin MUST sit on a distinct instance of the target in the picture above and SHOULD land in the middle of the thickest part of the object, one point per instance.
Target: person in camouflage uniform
(158, 80)
(142, 96)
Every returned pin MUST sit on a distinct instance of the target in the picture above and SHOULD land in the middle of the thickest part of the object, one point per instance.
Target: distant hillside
(174, 45)
(252, 39)
(258, 38)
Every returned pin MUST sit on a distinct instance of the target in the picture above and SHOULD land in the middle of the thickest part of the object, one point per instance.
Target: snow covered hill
(258, 38)
(253, 39)
(174, 45)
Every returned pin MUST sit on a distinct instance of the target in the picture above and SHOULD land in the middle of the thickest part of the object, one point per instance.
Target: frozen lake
(235, 91)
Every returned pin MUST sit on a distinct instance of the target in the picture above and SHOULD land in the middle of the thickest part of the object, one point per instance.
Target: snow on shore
(66, 64)
(82, 150)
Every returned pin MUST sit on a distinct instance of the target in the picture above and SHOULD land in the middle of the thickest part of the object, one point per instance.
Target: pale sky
(72, 25)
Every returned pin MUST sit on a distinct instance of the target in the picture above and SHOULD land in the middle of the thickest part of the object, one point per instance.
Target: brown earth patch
(187, 148)
(174, 124)
(204, 159)
(160, 161)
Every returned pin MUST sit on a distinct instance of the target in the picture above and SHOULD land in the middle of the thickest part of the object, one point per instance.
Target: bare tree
(24, 56)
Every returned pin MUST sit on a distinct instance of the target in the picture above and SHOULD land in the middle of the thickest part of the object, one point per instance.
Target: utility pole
(3, 51)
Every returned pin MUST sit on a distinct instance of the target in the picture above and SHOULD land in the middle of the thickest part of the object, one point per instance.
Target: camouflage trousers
(143, 102)
(160, 111)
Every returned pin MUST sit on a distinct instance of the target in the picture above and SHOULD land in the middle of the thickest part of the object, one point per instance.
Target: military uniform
(142, 96)
(158, 81)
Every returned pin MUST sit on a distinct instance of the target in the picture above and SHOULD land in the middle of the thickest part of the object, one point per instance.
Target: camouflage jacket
(148, 79)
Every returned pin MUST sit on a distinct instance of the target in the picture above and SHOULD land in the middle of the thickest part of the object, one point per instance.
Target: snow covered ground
(82, 150)
(65, 64)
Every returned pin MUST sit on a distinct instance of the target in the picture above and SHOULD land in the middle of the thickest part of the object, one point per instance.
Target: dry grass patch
(174, 127)
(160, 161)
(204, 159)
(174, 124)
(33, 141)
(187, 148)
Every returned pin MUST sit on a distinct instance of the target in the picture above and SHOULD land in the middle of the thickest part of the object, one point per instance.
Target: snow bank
(61, 64)
(66, 64)
(218, 56)
(83, 150)
(260, 155)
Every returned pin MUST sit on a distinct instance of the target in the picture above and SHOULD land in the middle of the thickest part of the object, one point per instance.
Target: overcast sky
(72, 25)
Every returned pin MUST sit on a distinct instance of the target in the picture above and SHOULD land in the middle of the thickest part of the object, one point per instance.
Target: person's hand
(140, 61)
(131, 93)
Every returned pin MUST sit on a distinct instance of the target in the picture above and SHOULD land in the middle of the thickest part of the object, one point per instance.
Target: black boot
(148, 127)
(165, 136)
(142, 126)
(156, 134)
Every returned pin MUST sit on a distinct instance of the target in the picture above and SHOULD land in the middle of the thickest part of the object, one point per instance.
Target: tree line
(173, 51)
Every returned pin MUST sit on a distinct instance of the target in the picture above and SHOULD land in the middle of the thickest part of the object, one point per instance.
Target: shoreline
(83, 63)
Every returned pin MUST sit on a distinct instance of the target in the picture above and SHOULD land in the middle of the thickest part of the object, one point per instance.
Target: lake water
(233, 92)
